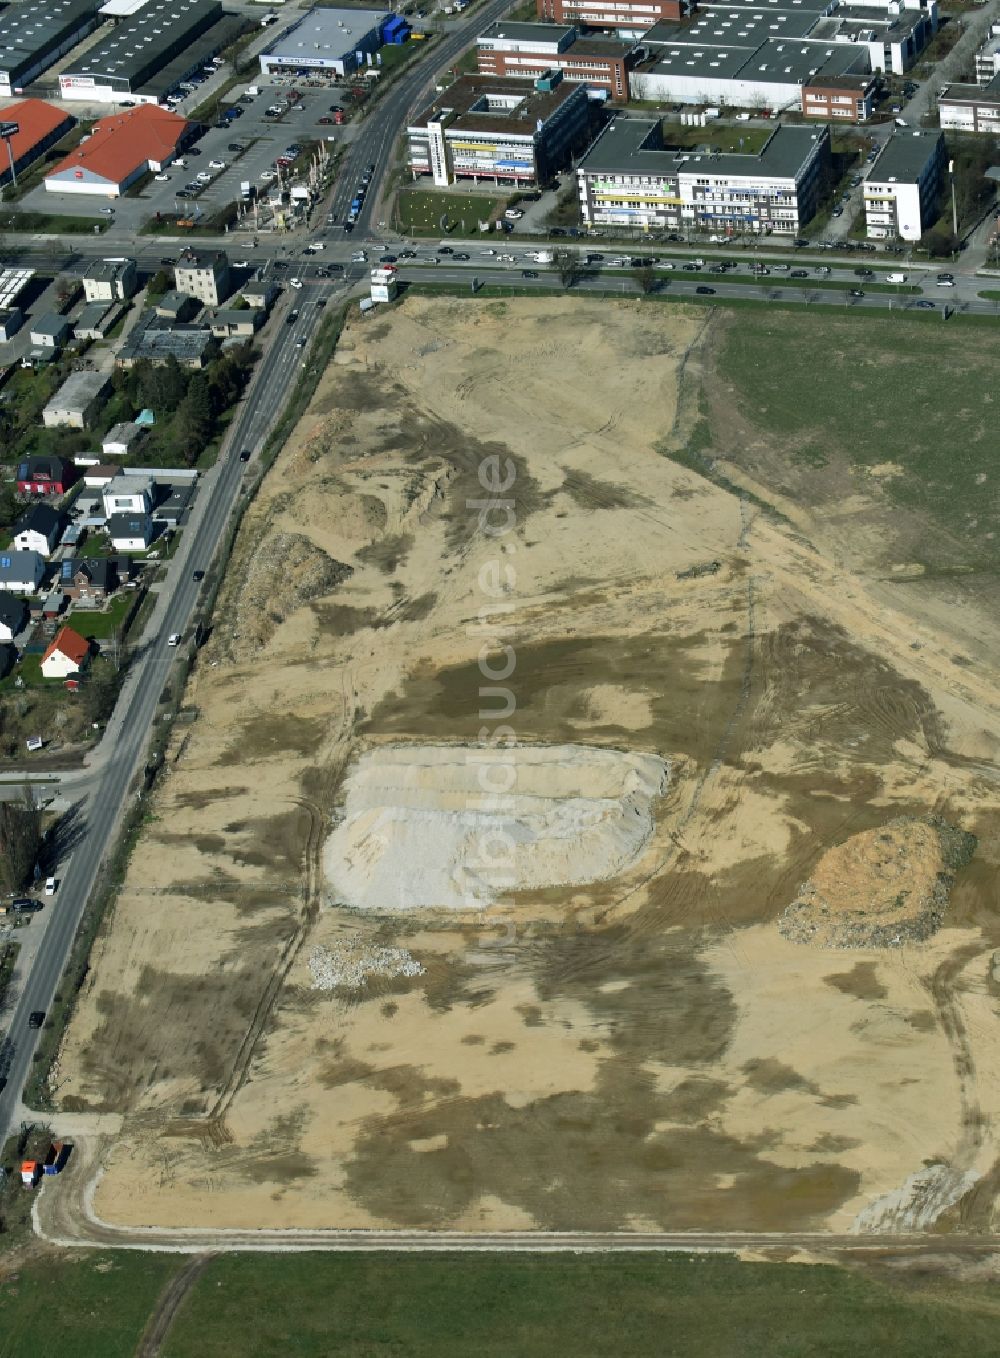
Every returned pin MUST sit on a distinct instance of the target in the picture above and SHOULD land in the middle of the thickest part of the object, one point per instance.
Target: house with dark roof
(21, 572)
(130, 532)
(13, 616)
(90, 578)
(45, 474)
(38, 530)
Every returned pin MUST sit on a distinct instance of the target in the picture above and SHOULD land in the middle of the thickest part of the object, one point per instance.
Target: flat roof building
(971, 108)
(519, 49)
(841, 98)
(34, 34)
(189, 345)
(903, 185)
(136, 48)
(326, 40)
(40, 126)
(77, 401)
(500, 131)
(629, 177)
(624, 16)
(122, 147)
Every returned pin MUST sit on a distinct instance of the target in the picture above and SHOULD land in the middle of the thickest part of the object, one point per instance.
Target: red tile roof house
(45, 475)
(121, 148)
(67, 654)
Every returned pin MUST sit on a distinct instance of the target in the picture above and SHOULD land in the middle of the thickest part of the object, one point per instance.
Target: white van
(895, 278)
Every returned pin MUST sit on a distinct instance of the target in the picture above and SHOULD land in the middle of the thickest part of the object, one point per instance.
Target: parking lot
(260, 137)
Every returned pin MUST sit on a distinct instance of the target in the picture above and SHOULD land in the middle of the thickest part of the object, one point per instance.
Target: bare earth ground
(643, 1052)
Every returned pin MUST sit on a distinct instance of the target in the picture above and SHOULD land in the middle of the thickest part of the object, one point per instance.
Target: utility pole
(954, 204)
(8, 130)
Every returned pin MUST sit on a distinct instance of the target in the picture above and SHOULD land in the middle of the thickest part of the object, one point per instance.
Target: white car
(174, 639)
(50, 886)
(295, 283)
(359, 257)
(162, 178)
(107, 212)
(216, 164)
(267, 176)
(203, 177)
(314, 247)
(513, 214)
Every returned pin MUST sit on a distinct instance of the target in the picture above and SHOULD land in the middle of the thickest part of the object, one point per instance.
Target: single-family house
(38, 530)
(128, 495)
(92, 578)
(21, 572)
(260, 293)
(228, 322)
(130, 532)
(13, 616)
(50, 332)
(45, 474)
(77, 401)
(121, 439)
(176, 306)
(67, 654)
(101, 475)
(109, 280)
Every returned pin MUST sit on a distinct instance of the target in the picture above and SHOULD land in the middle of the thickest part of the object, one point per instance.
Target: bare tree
(646, 278)
(20, 840)
(568, 266)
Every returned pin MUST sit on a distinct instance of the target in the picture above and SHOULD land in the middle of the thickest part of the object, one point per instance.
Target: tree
(99, 690)
(568, 266)
(646, 278)
(194, 418)
(159, 284)
(20, 840)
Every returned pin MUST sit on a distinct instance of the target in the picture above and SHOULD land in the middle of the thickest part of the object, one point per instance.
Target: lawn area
(100, 625)
(880, 403)
(89, 1305)
(315, 1305)
(18, 222)
(419, 212)
(718, 137)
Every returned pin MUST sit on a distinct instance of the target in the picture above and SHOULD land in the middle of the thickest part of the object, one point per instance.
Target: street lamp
(8, 130)
(954, 205)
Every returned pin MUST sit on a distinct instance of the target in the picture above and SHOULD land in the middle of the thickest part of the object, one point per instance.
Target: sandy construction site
(460, 903)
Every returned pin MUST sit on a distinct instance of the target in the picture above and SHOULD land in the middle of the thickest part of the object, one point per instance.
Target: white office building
(902, 188)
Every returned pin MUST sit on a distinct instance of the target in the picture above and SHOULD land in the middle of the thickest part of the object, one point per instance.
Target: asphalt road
(94, 819)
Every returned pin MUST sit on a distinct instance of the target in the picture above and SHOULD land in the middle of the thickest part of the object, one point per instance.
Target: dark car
(236, 148)
(192, 151)
(370, 168)
(463, 256)
(856, 292)
(558, 231)
(198, 576)
(321, 301)
(183, 193)
(325, 121)
(245, 455)
(348, 227)
(280, 264)
(292, 317)
(924, 305)
(36, 1018)
(799, 273)
(167, 263)
(334, 268)
(20, 903)
(445, 250)
(705, 292)
(392, 259)
(528, 273)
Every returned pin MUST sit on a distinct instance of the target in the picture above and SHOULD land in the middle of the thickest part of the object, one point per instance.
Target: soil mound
(454, 827)
(880, 888)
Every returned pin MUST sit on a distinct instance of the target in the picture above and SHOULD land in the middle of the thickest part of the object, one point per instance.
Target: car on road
(216, 164)
(704, 291)
(267, 176)
(925, 305)
(359, 257)
(528, 273)
(321, 302)
(295, 283)
(856, 292)
(462, 256)
(107, 212)
(837, 212)
(50, 886)
(174, 639)
(324, 121)
(391, 259)
(198, 576)
(407, 254)
(348, 227)
(246, 455)
(192, 151)
(945, 280)
(300, 343)
(445, 250)
(167, 263)
(36, 1018)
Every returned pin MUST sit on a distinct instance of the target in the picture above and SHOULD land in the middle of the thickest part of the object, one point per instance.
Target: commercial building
(500, 131)
(517, 49)
(988, 56)
(136, 49)
(334, 40)
(34, 34)
(971, 108)
(110, 280)
(190, 345)
(624, 16)
(903, 185)
(204, 275)
(629, 177)
(40, 126)
(840, 98)
(77, 401)
(121, 149)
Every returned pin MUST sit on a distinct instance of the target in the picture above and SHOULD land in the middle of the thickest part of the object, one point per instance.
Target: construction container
(30, 1171)
(56, 1158)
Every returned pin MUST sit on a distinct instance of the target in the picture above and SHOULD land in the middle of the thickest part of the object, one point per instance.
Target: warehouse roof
(328, 33)
(36, 120)
(122, 142)
(79, 389)
(34, 28)
(141, 41)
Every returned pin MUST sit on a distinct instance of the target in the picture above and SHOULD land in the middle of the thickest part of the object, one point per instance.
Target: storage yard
(310, 1017)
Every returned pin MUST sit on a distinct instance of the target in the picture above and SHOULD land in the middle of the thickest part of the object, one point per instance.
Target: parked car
(161, 178)
(174, 639)
(107, 212)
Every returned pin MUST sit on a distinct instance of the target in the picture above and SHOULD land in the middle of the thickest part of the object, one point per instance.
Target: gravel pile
(350, 965)
(286, 571)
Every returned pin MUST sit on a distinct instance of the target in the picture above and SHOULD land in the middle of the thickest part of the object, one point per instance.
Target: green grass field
(419, 212)
(747, 139)
(88, 1305)
(100, 623)
(881, 401)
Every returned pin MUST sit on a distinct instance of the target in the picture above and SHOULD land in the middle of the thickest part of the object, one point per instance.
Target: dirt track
(644, 1054)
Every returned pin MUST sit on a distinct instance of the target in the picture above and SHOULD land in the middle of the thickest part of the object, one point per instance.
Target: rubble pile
(351, 964)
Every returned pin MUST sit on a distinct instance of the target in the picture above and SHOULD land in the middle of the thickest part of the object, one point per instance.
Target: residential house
(171, 510)
(21, 572)
(176, 306)
(50, 332)
(130, 532)
(77, 401)
(67, 654)
(89, 578)
(259, 293)
(121, 439)
(8, 658)
(203, 274)
(98, 476)
(13, 616)
(228, 322)
(38, 530)
(128, 495)
(45, 474)
(110, 280)
(54, 603)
